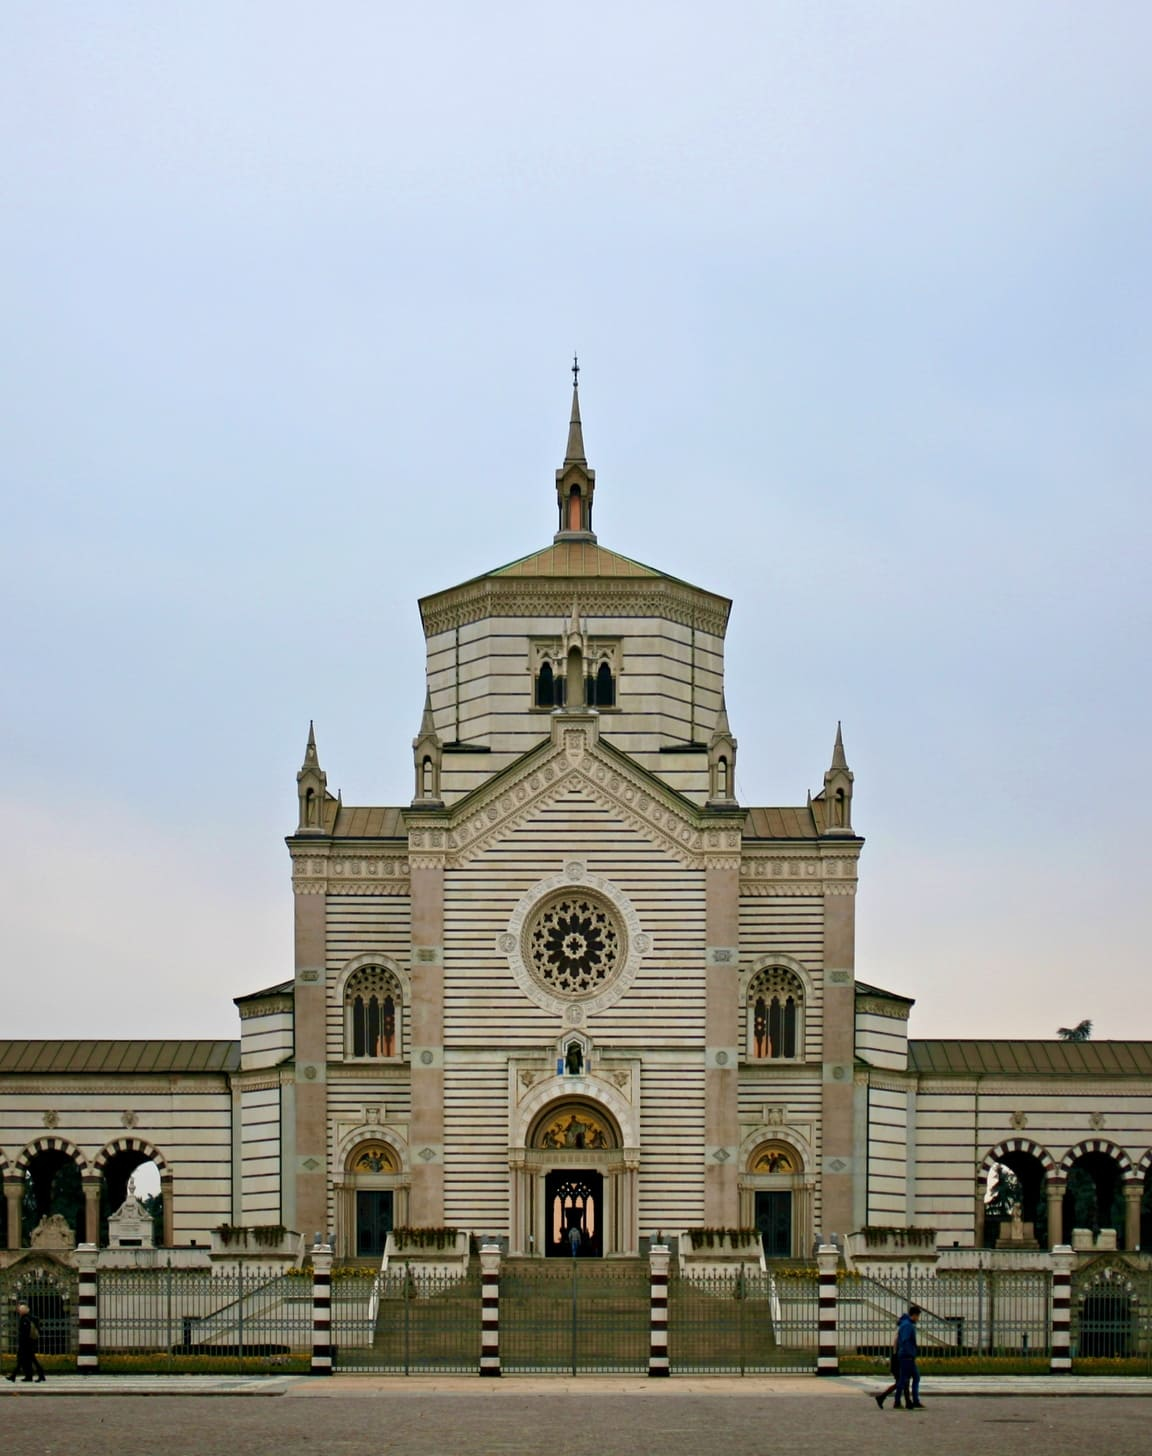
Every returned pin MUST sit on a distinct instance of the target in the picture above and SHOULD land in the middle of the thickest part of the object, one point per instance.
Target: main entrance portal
(574, 1199)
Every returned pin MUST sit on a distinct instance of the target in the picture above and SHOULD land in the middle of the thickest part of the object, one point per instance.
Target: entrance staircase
(588, 1315)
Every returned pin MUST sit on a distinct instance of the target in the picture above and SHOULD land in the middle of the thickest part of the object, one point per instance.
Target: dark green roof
(1031, 1058)
(106, 1058)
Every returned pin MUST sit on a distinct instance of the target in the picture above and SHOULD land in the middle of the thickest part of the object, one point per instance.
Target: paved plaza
(537, 1417)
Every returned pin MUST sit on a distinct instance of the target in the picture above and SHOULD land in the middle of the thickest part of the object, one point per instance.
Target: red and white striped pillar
(1062, 1261)
(321, 1310)
(658, 1260)
(87, 1329)
(490, 1309)
(828, 1344)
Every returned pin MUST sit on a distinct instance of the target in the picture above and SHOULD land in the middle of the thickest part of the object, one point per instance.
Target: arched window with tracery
(775, 1015)
(372, 1005)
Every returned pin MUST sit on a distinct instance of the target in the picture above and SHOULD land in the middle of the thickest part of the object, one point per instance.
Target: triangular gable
(575, 755)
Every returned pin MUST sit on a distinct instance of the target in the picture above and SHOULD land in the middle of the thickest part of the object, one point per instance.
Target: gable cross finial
(575, 372)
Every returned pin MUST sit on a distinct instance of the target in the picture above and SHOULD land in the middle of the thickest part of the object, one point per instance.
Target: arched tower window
(775, 1015)
(372, 1007)
(427, 778)
(545, 687)
(575, 513)
(605, 693)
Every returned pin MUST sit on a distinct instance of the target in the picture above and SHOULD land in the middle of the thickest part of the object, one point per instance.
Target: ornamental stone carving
(574, 943)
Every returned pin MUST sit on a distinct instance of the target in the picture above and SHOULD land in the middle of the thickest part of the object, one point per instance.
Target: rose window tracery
(574, 945)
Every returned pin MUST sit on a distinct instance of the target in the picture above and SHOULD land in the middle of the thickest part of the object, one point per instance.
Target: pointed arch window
(372, 1014)
(775, 1015)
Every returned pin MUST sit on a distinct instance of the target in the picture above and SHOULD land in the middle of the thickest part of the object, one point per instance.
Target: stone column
(828, 1339)
(722, 1026)
(321, 1310)
(1055, 1195)
(658, 1259)
(490, 1309)
(92, 1212)
(14, 1198)
(1133, 1193)
(978, 1216)
(311, 1063)
(168, 1207)
(426, 1131)
(87, 1315)
(1062, 1261)
(838, 1163)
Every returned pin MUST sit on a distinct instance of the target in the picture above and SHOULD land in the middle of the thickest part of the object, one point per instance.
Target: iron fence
(966, 1316)
(199, 1318)
(405, 1321)
(575, 1315)
(743, 1322)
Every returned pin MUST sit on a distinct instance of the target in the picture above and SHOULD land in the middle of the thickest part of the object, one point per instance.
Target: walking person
(894, 1370)
(27, 1338)
(908, 1381)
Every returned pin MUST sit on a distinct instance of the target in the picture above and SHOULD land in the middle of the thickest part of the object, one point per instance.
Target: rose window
(574, 945)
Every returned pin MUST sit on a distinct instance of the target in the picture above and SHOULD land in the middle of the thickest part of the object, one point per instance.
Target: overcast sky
(861, 296)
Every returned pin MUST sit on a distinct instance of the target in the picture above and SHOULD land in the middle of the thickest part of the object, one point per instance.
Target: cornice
(266, 1006)
(334, 869)
(875, 1006)
(659, 598)
(205, 1083)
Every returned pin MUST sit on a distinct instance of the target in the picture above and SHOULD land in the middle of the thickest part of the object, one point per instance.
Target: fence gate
(1112, 1318)
(571, 1315)
(407, 1321)
(744, 1322)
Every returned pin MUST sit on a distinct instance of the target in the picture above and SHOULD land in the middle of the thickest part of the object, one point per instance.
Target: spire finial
(574, 455)
(575, 372)
(310, 757)
(838, 759)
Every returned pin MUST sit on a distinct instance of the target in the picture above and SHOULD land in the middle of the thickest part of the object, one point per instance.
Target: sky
(288, 297)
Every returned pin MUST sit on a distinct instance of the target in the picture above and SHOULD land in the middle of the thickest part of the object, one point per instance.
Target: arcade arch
(1035, 1169)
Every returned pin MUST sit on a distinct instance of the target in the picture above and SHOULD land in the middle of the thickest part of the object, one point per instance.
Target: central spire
(575, 483)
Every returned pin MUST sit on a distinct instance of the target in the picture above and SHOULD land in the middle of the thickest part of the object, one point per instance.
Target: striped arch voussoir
(129, 1145)
(1145, 1164)
(51, 1145)
(1018, 1145)
(1099, 1145)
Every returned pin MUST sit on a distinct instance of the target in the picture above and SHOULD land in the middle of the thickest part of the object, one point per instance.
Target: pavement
(399, 1387)
(356, 1415)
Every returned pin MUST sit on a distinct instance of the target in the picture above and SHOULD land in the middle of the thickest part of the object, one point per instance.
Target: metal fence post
(88, 1341)
(1062, 1261)
(658, 1259)
(321, 1310)
(828, 1344)
(490, 1309)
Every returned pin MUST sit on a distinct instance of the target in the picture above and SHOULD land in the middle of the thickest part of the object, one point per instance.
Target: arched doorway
(574, 1173)
(371, 1198)
(574, 1203)
(774, 1194)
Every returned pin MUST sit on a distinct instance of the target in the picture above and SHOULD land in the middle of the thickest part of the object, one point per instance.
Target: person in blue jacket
(908, 1383)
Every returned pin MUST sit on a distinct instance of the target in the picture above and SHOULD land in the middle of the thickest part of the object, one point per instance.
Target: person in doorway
(27, 1339)
(908, 1381)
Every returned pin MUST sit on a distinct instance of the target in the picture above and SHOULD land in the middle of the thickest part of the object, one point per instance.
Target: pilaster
(311, 1063)
(426, 1132)
(838, 1161)
(722, 1030)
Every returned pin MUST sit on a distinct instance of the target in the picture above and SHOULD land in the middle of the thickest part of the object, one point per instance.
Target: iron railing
(744, 1322)
(405, 1320)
